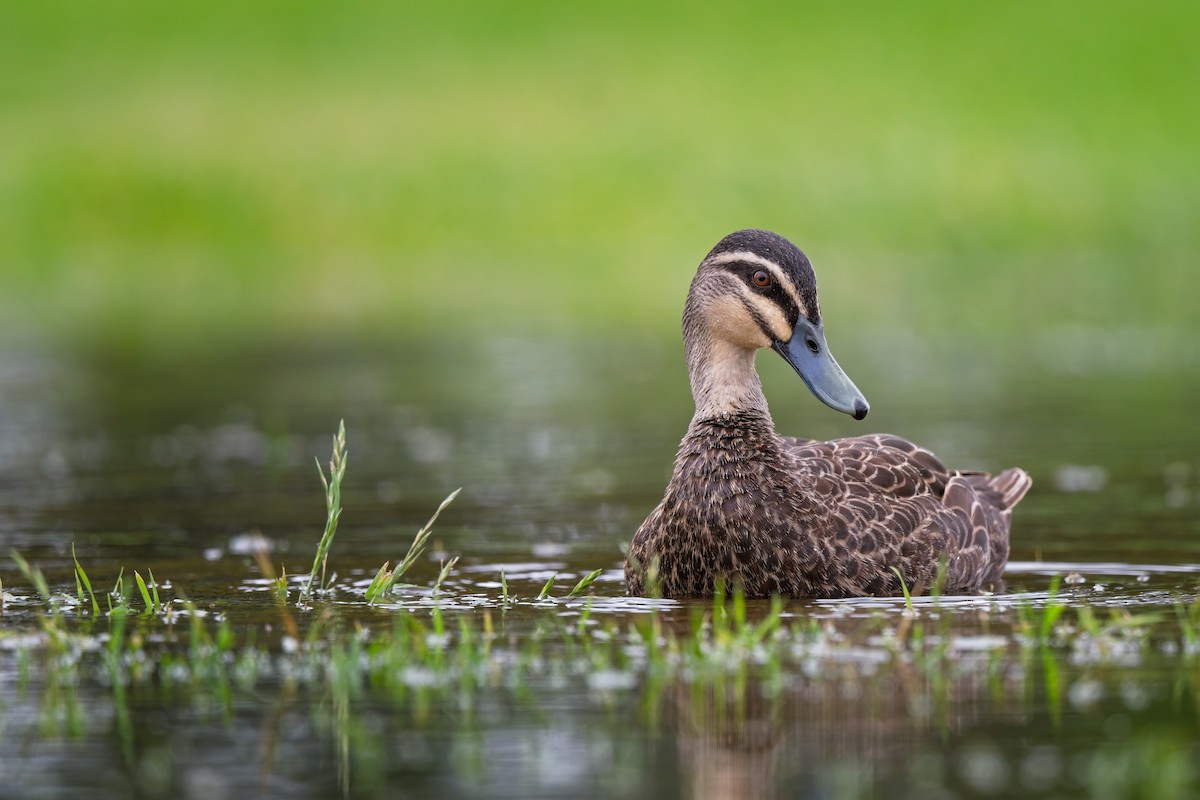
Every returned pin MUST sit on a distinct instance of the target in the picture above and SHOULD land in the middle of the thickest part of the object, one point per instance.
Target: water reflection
(707, 704)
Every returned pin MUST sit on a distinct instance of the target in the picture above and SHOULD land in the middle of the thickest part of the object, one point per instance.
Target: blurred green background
(177, 174)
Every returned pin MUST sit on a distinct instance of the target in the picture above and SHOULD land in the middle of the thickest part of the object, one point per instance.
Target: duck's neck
(723, 379)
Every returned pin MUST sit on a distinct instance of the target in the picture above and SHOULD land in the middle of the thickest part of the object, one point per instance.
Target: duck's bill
(809, 355)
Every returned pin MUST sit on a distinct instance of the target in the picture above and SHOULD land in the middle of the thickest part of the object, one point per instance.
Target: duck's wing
(885, 463)
(892, 503)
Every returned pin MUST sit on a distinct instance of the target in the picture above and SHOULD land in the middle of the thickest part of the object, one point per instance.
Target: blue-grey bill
(820, 371)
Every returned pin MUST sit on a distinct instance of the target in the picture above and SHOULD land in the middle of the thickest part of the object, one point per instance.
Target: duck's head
(756, 289)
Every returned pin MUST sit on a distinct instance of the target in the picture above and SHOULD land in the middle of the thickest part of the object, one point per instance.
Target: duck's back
(893, 503)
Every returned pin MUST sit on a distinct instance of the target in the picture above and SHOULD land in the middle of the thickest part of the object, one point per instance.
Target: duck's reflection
(832, 731)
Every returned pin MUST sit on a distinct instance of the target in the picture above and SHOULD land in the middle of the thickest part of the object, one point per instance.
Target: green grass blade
(144, 592)
(1053, 610)
(32, 574)
(333, 509)
(771, 623)
(739, 607)
(81, 576)
(585, 582)
(545, 592)
(444, 573)
(375, 590)
(154, 590)
(119, 586)
(116, 637)
(1191, 634)
(120, 594)
(939, 581)
(418, 544)
(908, 604)
(281, 587)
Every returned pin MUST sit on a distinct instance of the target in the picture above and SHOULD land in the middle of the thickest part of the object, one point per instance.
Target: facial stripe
(781, 278)
(758, 318)
(770, 317)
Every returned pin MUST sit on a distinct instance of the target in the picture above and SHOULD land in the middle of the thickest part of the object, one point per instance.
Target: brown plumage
(796, 517)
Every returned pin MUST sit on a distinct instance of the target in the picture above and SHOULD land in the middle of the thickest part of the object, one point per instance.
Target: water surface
(562, 446)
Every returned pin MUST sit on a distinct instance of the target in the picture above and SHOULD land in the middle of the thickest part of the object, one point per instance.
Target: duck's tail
(1001, 492)
(1011, 485)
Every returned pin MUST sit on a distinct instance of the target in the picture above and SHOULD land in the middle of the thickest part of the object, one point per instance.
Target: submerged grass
(729, 652)
(717, 668)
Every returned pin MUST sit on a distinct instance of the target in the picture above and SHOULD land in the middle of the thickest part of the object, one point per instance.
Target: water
(562, 446)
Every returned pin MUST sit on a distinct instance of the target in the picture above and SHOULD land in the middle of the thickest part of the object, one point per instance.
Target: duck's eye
(761, 279)
(813, 347)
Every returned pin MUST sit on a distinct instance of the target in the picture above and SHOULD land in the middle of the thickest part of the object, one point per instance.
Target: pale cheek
(729, 321)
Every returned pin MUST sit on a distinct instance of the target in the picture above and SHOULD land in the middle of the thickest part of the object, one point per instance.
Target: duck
(772, 515)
